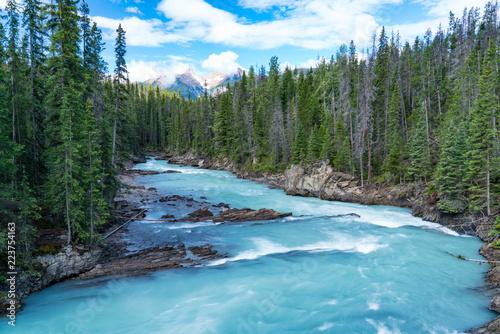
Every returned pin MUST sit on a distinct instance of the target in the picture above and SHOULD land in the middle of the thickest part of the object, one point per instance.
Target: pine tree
(94, 205)
(223, 119)
(119, 81)
(392, 164)
(14, 67)
(300, 146)
(451, 170)
(33, 21)
(7, 144)
(418, 150)
(64, 188)
(314, 146)
(481, 134)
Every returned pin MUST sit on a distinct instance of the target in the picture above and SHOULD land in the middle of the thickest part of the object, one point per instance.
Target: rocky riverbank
(115, 257)
(320, 180)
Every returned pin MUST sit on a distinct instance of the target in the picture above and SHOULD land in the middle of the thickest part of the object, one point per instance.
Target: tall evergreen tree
(418, 150)
(481, 134)
(119, 82)
(64, 188)
(33, 21)
(451, 170)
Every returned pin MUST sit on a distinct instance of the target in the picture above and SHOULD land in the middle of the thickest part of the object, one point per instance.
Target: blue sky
(169, 36)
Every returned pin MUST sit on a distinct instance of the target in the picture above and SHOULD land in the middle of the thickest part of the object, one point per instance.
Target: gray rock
(495, 304)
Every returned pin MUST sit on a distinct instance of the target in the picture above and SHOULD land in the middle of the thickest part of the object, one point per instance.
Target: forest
(423, 111)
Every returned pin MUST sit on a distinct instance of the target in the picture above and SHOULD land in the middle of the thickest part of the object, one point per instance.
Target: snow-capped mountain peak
(189, 83)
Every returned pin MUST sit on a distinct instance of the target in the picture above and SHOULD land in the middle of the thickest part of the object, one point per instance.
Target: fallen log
(128, 221)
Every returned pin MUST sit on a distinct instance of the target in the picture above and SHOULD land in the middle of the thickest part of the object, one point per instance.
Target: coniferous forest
(398, 112)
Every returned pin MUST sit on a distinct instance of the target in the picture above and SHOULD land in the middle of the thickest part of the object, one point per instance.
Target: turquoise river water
(385, 272)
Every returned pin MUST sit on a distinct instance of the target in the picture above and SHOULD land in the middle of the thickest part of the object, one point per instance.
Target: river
(385, 272)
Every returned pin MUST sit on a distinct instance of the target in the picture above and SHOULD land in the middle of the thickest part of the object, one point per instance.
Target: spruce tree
(314, 146)
(33, 21)
(64, 189)
(418, 150)
(7, 144)
(93, 204)
(300, 146)
(481, 134)
(119, 82)
(392, 164)
(223, 130)
(451, 170)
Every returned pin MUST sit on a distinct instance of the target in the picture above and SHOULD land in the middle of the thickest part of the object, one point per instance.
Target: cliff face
(322, 181)
(52, 269)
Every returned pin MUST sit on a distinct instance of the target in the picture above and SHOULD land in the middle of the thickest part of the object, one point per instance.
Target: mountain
(190, 84)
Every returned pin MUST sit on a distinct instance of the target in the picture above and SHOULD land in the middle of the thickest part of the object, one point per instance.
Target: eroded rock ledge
(68, 262)
(233, 215)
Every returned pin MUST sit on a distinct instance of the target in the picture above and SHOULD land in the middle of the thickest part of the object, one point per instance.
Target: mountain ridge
(192, 85)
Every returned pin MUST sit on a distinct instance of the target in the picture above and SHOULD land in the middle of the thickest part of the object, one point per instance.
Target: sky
(167, 37)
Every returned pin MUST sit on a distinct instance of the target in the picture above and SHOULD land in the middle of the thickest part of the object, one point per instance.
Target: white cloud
(224, 63)
(141, 71)
(307, 24)
(138, 32)
(134, 10)
(310, 24)
(265, 4)
(310, 63)
(287, 64)
(441, 8)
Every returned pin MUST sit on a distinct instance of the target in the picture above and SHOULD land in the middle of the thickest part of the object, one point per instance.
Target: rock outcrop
(149, 259)
(201, 213)
(68, 262)
(233, 215)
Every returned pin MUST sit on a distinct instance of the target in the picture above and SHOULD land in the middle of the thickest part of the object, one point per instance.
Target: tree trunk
(488, 205)
(113, 156)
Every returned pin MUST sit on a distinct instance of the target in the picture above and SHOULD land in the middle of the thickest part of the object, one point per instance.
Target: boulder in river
(203, 252)
(246, 214)
(495, 304)
(201, 213)
(234, 215)
(137, 158)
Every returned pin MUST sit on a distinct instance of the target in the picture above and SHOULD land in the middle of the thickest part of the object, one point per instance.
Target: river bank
(321, 181)
(119, 254)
